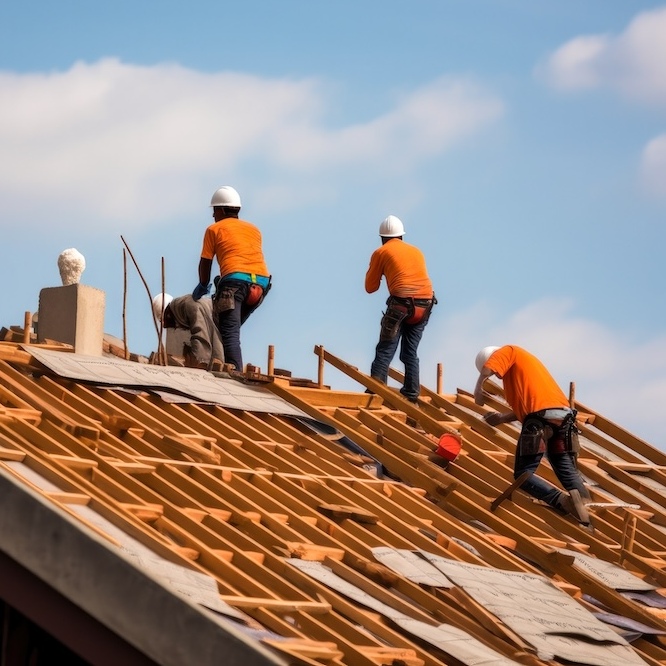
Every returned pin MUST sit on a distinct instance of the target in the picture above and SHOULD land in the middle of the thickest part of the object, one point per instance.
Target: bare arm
(495, 418)
(479, 398)
(491, 418)
(205, 266)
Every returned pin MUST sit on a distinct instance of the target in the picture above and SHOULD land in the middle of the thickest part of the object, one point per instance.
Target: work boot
(409, 420)
(573, 504)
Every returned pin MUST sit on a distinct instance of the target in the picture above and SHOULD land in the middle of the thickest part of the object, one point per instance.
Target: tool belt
(539, 435)
(404, 310)
(224, 298)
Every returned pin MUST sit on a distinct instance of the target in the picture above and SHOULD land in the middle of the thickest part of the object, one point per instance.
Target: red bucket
(449, 446)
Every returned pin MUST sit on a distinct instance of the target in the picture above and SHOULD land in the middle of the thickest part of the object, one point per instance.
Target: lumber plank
(278, 605)
(506, 494)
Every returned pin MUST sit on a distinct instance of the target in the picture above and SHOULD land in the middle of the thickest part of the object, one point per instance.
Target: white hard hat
(483, 356)
(226, 196)
(391, 227)
(159, 304)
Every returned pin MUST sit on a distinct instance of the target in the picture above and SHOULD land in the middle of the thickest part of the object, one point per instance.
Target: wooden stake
(440, 375)
(127, 354)
(628, 536)
(271, 360)
(320, 369)
(145, 284)
(27, 325)
(572, 394)
(162, 348)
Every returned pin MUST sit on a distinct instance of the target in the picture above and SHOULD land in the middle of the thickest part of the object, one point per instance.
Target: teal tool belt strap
(261, 280)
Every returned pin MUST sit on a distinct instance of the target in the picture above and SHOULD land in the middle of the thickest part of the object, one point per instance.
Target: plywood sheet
(608, 573)
(550, 620)
(412, 566)
(451, 640)
(198, 384)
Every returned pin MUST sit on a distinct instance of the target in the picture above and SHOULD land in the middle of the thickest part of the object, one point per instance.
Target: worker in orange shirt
(548, 425)
(244, 279)
(411, 299)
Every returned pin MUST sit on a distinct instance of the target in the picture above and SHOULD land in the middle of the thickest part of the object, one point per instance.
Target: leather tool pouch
(395, 314)
(533, 437)
(224, 299)
(566, 437)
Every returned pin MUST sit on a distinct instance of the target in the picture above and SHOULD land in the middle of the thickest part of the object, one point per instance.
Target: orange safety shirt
(528, 386)
(236, 244)
(404, 267)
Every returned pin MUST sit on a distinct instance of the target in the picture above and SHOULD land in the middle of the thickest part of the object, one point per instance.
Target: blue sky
(521, 142)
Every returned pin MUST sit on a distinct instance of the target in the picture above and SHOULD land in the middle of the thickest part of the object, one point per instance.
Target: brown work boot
(573, 504)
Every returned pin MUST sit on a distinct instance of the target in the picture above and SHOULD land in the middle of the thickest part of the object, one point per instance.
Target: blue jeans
(565, 468)
(409, 336)
(231, 312)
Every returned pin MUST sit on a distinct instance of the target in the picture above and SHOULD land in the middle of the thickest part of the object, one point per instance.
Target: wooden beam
(507, 493)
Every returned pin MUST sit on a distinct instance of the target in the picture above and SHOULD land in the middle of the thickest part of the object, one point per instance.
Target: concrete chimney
(73, 314)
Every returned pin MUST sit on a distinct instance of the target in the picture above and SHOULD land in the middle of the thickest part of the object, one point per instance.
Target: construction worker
(244, 280)
(408, 306)
(205, 345)
(548, 425)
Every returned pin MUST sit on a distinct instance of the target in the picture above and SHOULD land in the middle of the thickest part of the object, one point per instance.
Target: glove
(493, 418)
(200, 290)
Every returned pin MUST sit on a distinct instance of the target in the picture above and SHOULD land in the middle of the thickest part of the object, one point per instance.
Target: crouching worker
(548, 426)
(205, 345)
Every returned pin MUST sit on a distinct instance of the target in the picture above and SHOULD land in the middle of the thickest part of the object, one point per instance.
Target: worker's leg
(566, 470)
(384, 353)
(535, 485)
(247, 310)
(389, 337)
(229, 322)
(411, 337)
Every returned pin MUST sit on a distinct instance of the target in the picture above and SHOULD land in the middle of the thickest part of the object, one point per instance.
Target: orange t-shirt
(528, 386)
(404, 267)
(236, 244)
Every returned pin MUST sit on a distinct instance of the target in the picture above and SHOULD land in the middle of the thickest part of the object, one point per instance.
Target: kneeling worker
(548, 425)
(184, 312)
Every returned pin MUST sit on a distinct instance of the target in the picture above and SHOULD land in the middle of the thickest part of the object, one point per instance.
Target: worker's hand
(493, 418)
(200, 290)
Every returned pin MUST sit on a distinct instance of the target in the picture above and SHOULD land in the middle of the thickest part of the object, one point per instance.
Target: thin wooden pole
(440, 375)
(271, 360)
(27, 325)
(572, 394)
(145, 284)
(320, 368)
(628, 536)
(162, 348)
(127, 355)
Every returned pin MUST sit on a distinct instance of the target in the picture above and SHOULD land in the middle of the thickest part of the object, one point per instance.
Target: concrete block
(73, 314)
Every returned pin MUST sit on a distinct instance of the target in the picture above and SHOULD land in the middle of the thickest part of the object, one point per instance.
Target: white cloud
(653, 166)
(622, 379)
(631, 63)
(575, 65)
(110, 139)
